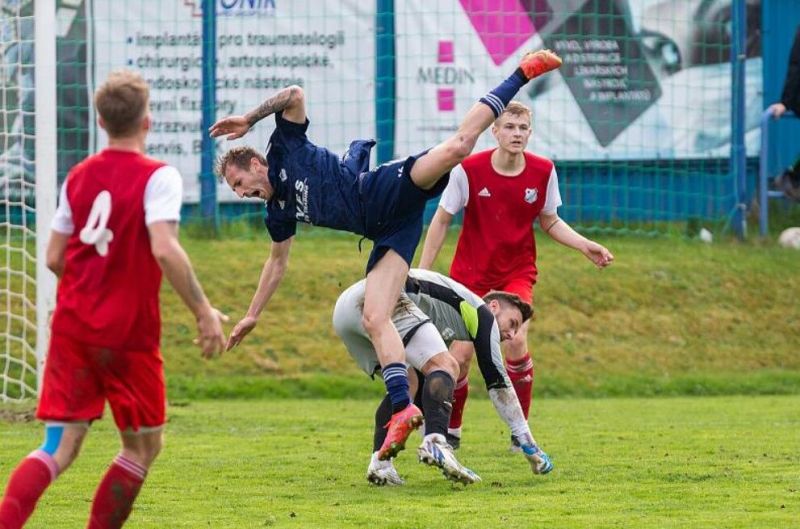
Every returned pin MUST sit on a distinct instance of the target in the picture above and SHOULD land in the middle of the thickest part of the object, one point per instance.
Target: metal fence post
(738, 165)
(385, 64)
(208, 185)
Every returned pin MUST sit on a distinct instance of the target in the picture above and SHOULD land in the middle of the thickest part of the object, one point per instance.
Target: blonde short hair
(515, 108)
(122, 102)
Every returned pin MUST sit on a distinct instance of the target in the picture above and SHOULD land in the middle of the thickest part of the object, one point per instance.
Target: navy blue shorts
(394, 206)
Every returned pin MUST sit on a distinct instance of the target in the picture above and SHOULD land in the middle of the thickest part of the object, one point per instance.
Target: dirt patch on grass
(17, 414)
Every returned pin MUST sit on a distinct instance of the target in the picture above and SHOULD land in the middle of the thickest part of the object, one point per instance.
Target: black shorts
(394, 207)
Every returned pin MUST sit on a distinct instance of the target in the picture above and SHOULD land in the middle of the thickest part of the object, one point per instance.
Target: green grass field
(671, 317)
(288, 443)
(716, 462)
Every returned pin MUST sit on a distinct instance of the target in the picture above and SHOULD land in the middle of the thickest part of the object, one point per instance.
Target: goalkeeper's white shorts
(420, 337)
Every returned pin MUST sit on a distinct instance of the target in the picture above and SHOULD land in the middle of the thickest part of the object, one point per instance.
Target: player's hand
(234, 126)
(777, 109)
(242, 329)
(209, 326)
(598, 254)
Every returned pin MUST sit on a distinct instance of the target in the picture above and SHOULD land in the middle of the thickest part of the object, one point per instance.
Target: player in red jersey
(114, 233)
(502, 191)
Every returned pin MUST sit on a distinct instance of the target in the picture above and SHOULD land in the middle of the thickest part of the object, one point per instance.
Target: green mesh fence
(638, 119)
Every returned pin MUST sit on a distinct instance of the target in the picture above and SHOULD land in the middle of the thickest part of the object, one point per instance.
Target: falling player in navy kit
(302, 182)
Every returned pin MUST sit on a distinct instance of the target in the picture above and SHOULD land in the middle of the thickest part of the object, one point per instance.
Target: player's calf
(143, 445)
(38, 470)
(114, 497)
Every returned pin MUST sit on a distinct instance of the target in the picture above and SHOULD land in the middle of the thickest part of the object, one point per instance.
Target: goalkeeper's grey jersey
(459, 314)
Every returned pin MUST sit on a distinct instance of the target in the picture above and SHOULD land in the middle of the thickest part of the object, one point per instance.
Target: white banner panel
(325, 46)
(641, 79)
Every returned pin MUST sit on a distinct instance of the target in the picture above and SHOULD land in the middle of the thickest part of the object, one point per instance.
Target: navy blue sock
(501, 96)
(395, 376)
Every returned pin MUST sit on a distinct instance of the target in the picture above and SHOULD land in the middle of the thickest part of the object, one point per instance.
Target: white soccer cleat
(383, 473)
(435, 451)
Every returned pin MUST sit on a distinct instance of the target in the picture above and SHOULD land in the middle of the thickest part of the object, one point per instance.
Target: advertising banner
(325, 46)
(641, 79)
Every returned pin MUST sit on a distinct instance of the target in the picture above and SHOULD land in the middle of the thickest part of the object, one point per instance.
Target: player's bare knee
(443, 361)
(154, 446)
(63, 442)
(374, 321)
(142, 447)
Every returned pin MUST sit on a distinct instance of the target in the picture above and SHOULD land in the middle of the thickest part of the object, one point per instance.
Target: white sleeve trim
(62, 220)
(163, 196)
(456, 194)
(553, 200)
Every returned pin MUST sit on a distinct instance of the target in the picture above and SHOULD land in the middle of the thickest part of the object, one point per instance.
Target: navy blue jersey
(311, 183)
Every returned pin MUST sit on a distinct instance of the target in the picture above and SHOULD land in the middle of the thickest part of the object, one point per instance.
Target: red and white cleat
(400, 427)
(536, 63)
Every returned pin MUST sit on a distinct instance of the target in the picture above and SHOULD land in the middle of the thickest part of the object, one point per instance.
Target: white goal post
(46, 170)
(28, 190)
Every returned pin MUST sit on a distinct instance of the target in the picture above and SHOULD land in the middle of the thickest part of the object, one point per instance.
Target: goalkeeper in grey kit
(432, 312)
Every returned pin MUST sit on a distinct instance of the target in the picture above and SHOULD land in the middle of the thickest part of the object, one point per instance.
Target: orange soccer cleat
(536, 63)
(400, 427)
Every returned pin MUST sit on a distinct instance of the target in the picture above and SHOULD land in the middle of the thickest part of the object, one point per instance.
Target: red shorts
(78, 378)
(522, 287)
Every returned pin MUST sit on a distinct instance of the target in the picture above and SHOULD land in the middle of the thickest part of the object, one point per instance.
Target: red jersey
(497, 242)
(108, 294)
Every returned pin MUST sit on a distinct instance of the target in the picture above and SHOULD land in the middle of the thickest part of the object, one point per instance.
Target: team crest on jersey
(531, 194)
(283, 175)
(448, 334)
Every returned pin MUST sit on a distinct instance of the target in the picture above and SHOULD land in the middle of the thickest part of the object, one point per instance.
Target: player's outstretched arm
(178, 270)
(437, 231)
(290, 101)
(563, 233)
(271, 276)
(501, 392)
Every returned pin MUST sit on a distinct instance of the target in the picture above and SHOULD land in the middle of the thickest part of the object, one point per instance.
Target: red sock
(460, 395)
(521, 374)
(26, 485)
(115, 495)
